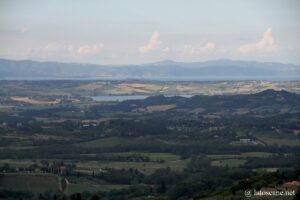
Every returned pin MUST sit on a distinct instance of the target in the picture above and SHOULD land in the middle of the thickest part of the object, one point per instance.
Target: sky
(143, 31)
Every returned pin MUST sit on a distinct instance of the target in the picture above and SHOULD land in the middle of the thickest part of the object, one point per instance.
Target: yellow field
(157, 108)
(90, 86)
(32, 101)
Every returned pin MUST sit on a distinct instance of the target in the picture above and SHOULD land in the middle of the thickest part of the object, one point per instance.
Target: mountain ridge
(165, 68)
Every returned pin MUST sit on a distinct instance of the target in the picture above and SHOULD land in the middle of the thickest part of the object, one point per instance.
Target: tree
(162, 187)
(76, 196)
(297, 195)
(95, 197)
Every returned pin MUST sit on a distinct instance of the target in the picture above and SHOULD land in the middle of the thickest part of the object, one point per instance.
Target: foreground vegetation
(59, 144)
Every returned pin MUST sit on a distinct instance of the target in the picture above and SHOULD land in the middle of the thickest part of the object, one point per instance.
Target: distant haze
(143, 31)
(164, 70)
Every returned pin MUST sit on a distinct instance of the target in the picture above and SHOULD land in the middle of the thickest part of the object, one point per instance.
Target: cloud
(90, 49)
(152, 44)
(51, 47)
(54, 49)
(69, 50)
(266, 43)
(191, 50)
(24, 30)
(166, 49)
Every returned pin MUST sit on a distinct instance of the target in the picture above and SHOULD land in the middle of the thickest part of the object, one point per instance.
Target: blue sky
(140, 31)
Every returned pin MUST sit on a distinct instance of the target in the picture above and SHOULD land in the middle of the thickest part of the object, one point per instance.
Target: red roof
(292, 184)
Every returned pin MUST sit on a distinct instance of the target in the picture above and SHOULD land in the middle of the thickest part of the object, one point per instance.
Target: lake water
(127, 97)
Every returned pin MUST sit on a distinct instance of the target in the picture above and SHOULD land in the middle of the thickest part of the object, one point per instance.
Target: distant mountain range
(168, 69)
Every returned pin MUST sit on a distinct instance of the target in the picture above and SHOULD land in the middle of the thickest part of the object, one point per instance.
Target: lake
(127, 97)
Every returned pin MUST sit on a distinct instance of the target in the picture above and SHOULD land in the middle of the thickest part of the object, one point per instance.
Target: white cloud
(166, 49)
(57, 49)
(24, 29)
(151, 45)
(90, 49)
(191, 50)
(266, 43)
(52, 49)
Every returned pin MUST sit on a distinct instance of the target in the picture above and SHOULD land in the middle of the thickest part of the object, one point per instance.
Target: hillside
(209, 70)
(159, 146)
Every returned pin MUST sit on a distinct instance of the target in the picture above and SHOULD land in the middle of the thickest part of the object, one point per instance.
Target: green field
(241, 155)
(40, 183)
(279, 141)
(36, 183)
(228, 162)
(162, 146)
(17, 163)
(75, 188)
(105, 142)
(145, 167)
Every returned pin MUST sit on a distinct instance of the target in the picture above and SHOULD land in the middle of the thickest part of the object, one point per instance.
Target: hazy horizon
(138, 32)
(150, 62)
